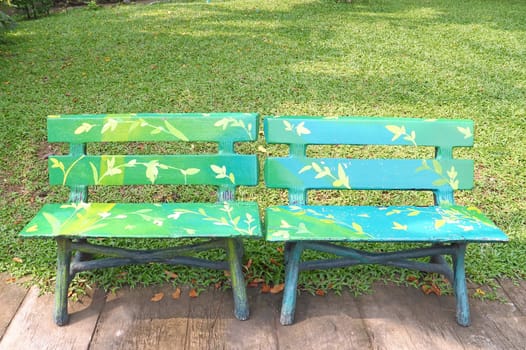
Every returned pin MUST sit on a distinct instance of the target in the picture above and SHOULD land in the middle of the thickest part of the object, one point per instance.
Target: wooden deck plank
(390, 318)
(258, 332)
(516, 292)
(328, 322)
(206, 321)
(212, 324)
(11, 296)
(495, 325)
(33, 326)
(130, 320)
(405, 318)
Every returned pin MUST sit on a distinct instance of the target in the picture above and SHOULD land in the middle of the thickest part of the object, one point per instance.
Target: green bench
(443, 228)
(78, 224)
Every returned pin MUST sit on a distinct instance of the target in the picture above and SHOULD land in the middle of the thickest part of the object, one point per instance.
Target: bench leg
(461, 291)
(81, 256)
(288, 305)
(241, 309)
(286, 251)
(62, 282)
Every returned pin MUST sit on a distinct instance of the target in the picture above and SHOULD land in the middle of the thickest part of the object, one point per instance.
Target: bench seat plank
(380, 224)
(144, 220)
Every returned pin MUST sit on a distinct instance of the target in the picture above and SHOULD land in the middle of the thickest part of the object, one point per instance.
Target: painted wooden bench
(78, 224)
(443, 228)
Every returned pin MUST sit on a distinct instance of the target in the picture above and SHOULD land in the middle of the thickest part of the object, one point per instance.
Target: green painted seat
(146, 220)
(77, 224)
(443, 227)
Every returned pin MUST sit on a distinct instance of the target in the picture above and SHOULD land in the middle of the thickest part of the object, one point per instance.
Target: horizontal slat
(219, 127)
(380, 224)
(369, 131)
(134, 220)
(302, 173)
(154, 169)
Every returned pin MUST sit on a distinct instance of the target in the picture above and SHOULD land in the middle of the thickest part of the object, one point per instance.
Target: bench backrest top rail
(299, 173)
(214, 127)
(369, 131)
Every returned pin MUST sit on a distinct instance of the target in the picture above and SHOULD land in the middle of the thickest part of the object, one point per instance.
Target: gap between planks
(391, 317)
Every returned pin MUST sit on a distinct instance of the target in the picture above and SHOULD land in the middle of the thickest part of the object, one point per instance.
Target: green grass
(419, 58)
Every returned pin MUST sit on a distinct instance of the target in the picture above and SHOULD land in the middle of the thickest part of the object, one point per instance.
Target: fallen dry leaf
(411, 278)
(258, 280)
(193, 293)
(171, 274)
(436, 289)
(278, 288)
(265, 288)
(157, 297)
(249, 263)
(480, 292)
(18, 260)
(275, 262)
(319, 293)
(433, 288)
(122, 275)
(177, 294)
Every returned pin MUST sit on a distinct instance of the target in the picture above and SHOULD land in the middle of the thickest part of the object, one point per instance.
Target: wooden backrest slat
(368, 174)
(369, 131)
(215, 127)
(225, 169)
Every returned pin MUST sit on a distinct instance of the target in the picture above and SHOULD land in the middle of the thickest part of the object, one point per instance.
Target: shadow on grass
(412, 58)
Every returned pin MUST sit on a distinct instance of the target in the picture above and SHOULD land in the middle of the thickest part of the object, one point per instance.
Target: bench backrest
(298, 173)
(225, 168)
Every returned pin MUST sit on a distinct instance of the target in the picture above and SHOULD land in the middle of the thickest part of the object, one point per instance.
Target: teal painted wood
(443, 174)
(461, 290)
(302, 173)
(368, 131)
(134, 220)
(218, 127)
(445, 228)
(380, 224)
(218, 169)
(291, 282)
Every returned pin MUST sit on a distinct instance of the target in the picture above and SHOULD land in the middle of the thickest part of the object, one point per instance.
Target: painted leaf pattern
(153, 127)
(341, 180)
(368, 223)
(146, 220)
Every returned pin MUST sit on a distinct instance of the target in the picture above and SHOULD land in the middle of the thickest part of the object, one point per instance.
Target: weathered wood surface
(390, 318)
(11, 296)
(32, 327)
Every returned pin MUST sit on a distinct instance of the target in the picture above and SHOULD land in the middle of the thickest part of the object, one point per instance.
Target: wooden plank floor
(391, 318)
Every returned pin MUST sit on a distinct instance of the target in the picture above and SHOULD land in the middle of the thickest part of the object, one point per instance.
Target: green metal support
(62, 281)
(241, 308)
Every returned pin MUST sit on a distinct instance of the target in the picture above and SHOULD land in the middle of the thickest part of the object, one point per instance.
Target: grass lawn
(417, 58)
